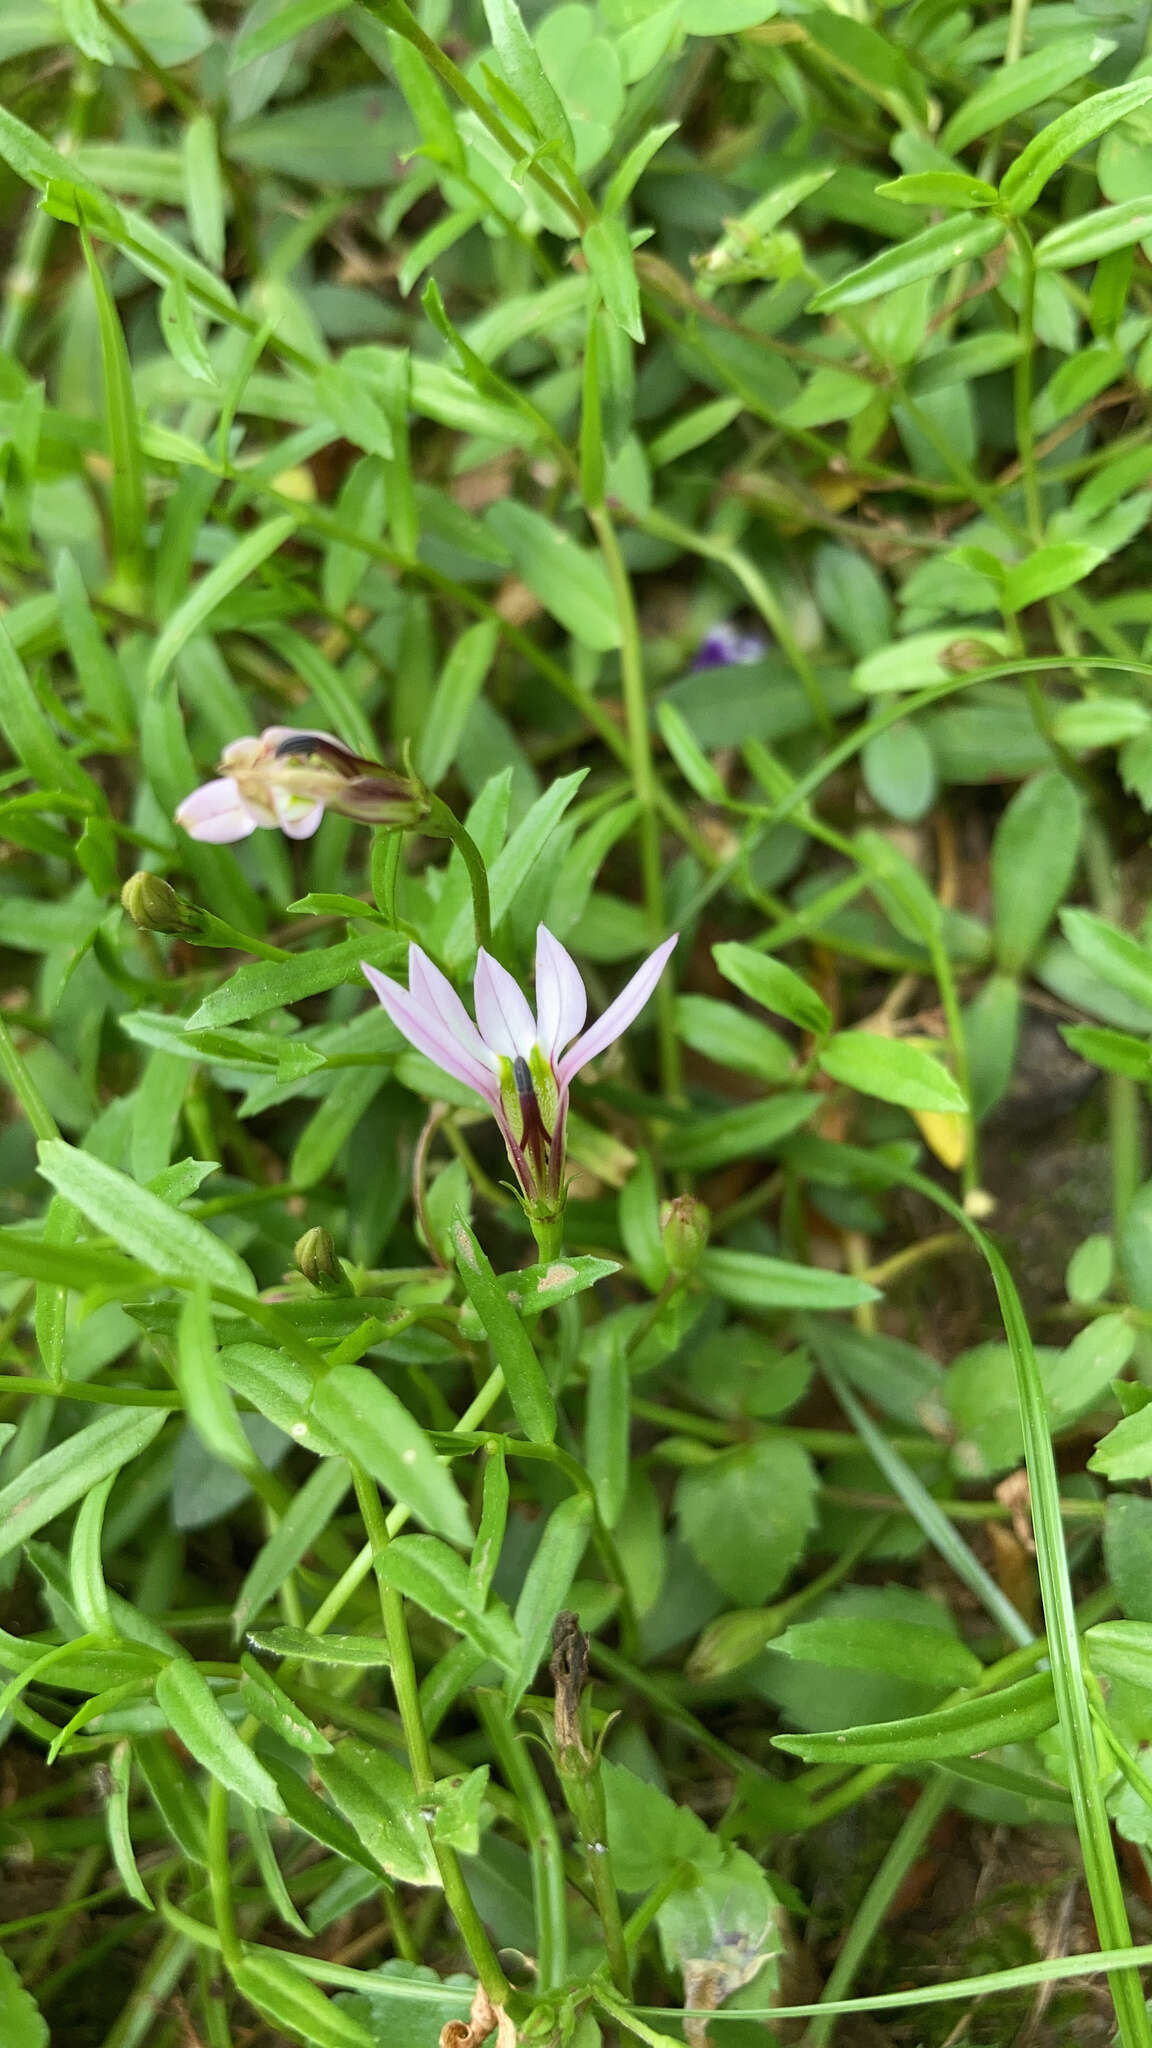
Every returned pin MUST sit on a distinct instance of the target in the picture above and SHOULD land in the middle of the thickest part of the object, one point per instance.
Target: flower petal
(427, 1031)
(297, 815)
(502, 1012)
(436, 993)
(561, 1001)
(618, 1015)
(216, 813)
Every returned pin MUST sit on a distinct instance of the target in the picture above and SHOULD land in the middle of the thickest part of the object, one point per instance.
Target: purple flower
(519, 1064)
(724, 646)
(287, 778)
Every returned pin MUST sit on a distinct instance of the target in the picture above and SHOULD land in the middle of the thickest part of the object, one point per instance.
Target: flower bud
(315, 1255)
(731, 1641)
(684, 1227)
(154, 905)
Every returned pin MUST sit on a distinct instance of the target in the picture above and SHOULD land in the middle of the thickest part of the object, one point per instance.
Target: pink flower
(517, 1062)
(287, 778)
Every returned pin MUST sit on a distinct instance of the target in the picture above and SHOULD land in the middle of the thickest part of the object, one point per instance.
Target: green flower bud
(315, 1255)
(684, 1227)
(154, 905)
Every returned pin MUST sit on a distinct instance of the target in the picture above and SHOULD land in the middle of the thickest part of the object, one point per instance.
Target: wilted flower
(725, 646)
(517, 1062)
(288, 778)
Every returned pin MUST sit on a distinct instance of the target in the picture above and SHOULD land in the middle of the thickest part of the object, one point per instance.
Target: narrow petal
(216, 813)
(435, 992)
(273, 735)
(506, 1023)
(427, 1031)
(618, 1015)
(296, 815)
(561, 1002)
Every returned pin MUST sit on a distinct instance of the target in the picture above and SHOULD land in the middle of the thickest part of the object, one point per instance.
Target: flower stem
(406, 1688)
(446, 825)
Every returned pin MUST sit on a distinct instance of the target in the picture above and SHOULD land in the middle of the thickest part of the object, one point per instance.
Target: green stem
(407, 1691)
(220, 1875)
(543, 1838)
(643, 776)
(446, 825)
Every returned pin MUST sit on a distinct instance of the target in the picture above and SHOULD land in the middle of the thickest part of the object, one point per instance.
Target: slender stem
(446, 824)
(220, 1874)
(407, 1691)
(542, 1834)
(643, 776)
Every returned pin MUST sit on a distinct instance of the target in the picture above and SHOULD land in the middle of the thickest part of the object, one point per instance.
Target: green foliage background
(441, 379)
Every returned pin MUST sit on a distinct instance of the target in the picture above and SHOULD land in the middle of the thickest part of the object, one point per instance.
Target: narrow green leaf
(753, 1280)
(528, 1390)
(372, 1426)
(493, 1522)
(1034, 855)
(1023, 181)
(163, 1239)
(1015, 1714)
(308, 1513)
(570, 581)
(376, 1796)
(294, 2004)
(1115, 956)
(892, 1070)
(546, 1585)
(264, 985)
(196, 1717)
(66, 1473)
(116, 1816)
(272, 1706)
(1013, 88)
(608, 252)
(243, 558)
(85, 1569)
(28, 732)
(178, 326)
(207, 1399)
(204, 188)
(526, 75)
(440, 1582)
(771, 983)
(1047, 572)
(129, 511)
(353, 1653)
(1094, 235)
(963, 239)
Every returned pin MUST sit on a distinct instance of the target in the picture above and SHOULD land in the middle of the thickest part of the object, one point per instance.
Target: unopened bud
(315, 1255)
(154, 906)
(684, 1227)
(732, 1641)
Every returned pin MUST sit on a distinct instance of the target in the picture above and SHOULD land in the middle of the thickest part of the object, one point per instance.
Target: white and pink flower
(521, 1065)
(286, 778)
